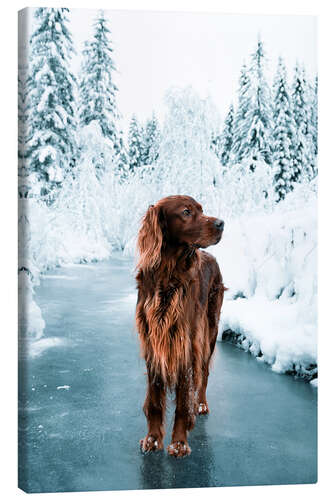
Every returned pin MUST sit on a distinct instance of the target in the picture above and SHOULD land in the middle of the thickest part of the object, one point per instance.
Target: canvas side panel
(24, 18)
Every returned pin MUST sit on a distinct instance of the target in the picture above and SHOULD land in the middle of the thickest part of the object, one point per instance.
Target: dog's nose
(219, 224)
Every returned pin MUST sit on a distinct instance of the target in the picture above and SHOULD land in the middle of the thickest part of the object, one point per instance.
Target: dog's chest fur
(168, 328)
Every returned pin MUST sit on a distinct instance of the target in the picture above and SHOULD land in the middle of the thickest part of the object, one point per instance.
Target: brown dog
(180, 294)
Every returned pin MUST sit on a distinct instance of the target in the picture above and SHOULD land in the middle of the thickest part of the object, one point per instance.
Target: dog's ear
(150, 239)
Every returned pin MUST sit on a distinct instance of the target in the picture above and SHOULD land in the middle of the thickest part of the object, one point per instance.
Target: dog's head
(175, 221)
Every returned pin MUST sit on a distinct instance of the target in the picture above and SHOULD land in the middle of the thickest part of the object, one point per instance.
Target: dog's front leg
(154, 409)
(184, 417)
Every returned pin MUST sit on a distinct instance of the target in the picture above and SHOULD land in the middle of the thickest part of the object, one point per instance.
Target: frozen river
(80, 409)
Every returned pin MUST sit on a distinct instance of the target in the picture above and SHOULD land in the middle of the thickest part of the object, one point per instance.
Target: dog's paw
(151, 443)
(203, 409)
(179, 449)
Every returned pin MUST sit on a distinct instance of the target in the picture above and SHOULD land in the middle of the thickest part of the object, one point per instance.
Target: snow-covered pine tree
(223, 143)
(98, 91)
(121, 158)
(143, 144)
(242, 111)
(51, 144)
(258, 121)
(302, 155)
(283, 134)
(21, 121)
(216, 143)
(314, 115)
(313, 124)
(151, 141)
(135, 144)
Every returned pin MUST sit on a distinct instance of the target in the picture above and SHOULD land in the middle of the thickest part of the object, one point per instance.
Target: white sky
(156, 50)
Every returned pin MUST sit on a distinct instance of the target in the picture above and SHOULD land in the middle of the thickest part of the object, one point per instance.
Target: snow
(269, 265)
(44, 99)
(36, 348)
(55, 173)
(30, 321)
(59, 277)
(47, 151)
(281, 333)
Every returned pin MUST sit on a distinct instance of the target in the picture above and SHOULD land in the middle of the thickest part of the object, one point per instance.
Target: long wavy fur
(161, 319)
(150, 240)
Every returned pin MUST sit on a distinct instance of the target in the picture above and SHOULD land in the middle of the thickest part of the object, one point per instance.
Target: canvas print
(167, 192)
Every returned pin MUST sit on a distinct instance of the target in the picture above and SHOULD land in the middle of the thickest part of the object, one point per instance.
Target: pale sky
(156, 50)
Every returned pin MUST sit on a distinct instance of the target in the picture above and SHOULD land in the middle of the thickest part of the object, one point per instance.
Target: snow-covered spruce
(313, 123)
(303, 164)
(98, 96)
(222, 143)
(22, 119)
(241, 114)
(151, 141)
(283, 134)
(254, 123)
(50, 144)
(136, 145)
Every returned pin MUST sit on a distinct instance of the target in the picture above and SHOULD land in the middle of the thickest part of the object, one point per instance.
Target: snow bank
(37, 347)
(277, 332)
(269, 265)
(30, 321)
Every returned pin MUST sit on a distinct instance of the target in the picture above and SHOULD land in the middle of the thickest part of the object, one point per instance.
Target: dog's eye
(187, 212)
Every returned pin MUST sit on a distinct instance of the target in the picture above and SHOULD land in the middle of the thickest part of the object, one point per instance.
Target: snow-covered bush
(30, 322)
(244, 190)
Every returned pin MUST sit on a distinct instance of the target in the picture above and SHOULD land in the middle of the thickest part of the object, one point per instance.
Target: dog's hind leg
(202, 408)
(214, 308)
